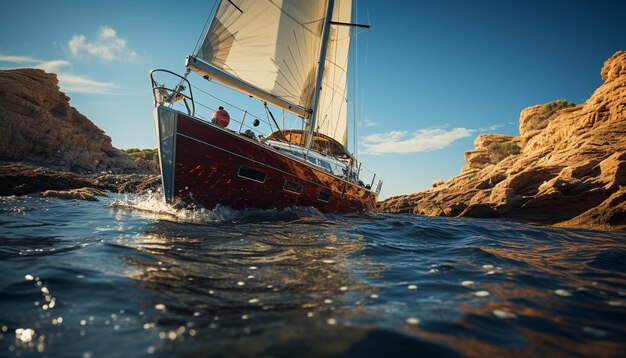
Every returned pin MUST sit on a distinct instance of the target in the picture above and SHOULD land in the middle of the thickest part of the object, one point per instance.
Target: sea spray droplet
(412, 320)
(29, 277)
(331, 321)
(160, 307)
(467, 283)
(563, 293)
(412, 287)
(24, 335)
(481, 293)
(488, 267)
(504, 314)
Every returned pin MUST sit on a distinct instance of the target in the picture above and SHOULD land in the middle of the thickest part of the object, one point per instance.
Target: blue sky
(433, 75)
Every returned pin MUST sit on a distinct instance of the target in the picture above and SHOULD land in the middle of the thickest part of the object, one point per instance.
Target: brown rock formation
(570, 173)
(38, 125)
(22, 179)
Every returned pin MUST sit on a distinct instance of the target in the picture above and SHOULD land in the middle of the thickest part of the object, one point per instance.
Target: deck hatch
(252, 174)
(293, 187)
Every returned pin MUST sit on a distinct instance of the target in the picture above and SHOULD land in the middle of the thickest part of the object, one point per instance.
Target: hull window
(325, 197)
(252, 174)
(293, 187)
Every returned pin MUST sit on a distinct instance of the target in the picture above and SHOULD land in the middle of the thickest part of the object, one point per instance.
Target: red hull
(215, 166)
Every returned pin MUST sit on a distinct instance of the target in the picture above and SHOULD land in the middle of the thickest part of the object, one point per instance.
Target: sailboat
(292, 55)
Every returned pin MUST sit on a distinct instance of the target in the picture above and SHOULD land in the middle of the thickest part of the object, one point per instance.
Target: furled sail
(273, 45)
(332, 112)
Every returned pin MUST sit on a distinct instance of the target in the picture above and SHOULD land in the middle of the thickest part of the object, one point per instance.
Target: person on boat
(221, 117)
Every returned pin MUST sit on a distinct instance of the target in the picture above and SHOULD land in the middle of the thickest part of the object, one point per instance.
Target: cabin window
(326, 165)
(353, 204)
(252, 174)
(325, 197)
(293, 187)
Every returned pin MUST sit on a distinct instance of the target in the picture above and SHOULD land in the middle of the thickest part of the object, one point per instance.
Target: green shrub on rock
(501, 150)
(147, 154)
(541, 119)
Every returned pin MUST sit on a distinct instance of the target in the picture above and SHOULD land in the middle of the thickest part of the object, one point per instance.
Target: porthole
(293, 187)
(325, 197)
(252, 174)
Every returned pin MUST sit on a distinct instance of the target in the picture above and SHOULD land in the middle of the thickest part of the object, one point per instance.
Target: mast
(320, 74)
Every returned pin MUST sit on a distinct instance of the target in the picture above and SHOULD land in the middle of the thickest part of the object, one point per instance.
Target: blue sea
(128, 276)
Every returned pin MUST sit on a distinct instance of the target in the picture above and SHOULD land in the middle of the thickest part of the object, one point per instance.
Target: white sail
(273, 45)
(332, 112)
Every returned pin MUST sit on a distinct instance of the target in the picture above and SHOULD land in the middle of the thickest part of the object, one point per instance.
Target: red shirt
(222, 117)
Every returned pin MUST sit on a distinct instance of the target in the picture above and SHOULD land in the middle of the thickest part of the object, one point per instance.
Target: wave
(153, 206)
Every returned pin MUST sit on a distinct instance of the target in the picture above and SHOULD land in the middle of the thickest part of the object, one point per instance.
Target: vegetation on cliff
(501, 150)
(146, 154)
(546, 112)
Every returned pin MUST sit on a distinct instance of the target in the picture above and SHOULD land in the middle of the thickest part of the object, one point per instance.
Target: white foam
(482, 293)
(153, 205)
(467, 283)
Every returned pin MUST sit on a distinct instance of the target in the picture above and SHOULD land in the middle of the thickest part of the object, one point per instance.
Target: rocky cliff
(38, 125)
(566, 168)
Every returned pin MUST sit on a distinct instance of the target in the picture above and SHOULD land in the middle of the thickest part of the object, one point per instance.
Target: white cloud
(83, 84)
(17, 59)
(493, 127)
(54, 66)
(69, 82)
(422, 140)
(107, 46)
(370, 123)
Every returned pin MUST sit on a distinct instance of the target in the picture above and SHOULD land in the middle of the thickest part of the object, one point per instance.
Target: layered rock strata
(38, 125)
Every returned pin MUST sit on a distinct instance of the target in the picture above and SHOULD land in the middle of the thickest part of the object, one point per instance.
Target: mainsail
(275, 45)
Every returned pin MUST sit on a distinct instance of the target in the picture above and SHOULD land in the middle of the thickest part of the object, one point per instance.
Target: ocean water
(130, 276)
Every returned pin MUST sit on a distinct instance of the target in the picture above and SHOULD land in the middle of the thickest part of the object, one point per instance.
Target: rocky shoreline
(24, 179)
(567, 168)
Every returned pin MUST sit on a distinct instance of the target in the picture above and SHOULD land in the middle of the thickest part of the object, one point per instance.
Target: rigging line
(221, 100)
(236, 7)
(206, 23)
(355, 97)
